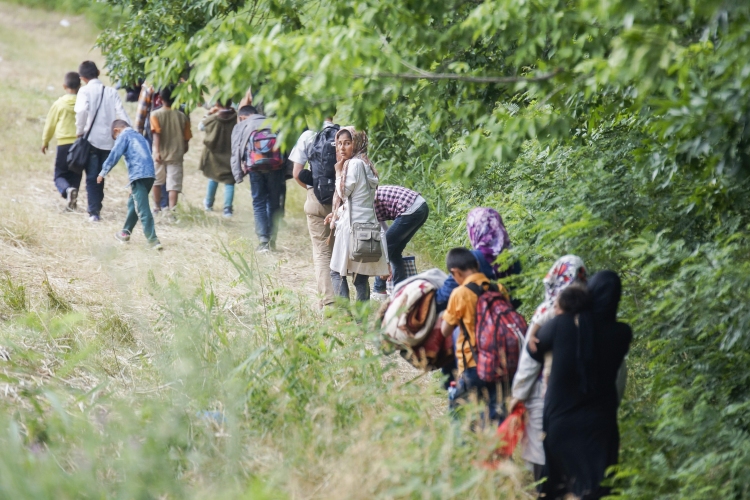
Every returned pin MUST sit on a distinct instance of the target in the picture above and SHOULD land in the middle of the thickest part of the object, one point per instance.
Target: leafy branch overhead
(618, 130)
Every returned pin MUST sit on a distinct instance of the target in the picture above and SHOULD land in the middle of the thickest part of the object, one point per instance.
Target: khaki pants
(321, 249)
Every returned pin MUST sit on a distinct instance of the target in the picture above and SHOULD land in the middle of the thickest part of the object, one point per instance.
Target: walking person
(408, 211)
(149, 100)
(360, 249)
(528, 386)
(134, 148)
(61, 123)
(217, 155)
(582, 438)
(95, 95)
(319, 151)
(266, 177)
(171, 135)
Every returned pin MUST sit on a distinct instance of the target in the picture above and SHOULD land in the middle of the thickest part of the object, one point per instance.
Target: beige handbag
(365, 240)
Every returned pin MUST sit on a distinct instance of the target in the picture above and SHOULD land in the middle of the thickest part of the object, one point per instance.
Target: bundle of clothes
(410, 323)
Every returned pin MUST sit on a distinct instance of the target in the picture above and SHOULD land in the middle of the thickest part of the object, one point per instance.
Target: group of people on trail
(94, 131)
(564, 372)
(565, 369)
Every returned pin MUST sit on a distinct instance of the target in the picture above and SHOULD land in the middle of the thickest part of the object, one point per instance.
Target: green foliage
(256, 400)
(614, 130)
(13, 294)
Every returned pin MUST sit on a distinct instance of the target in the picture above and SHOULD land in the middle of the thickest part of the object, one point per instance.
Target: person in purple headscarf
(489, 239)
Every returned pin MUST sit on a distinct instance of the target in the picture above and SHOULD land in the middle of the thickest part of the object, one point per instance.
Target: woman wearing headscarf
(356, 186)
(489, 239)
(529, 386)
(580, 410)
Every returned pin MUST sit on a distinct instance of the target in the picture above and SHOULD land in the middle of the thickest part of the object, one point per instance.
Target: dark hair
(247, 110)
(72, 80)
(224, 103)
(574, 299)
(119, 124)
(347, 133)
(166, 95)
(462, 259)
(88, 70)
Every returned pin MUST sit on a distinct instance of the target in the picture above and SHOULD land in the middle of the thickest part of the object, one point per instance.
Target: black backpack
(322, 159)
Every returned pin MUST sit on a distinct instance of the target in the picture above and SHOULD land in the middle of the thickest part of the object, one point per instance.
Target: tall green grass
(257, 398)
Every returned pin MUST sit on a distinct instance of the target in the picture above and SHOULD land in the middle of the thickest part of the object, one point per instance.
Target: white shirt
(299, 152)
(110, 110)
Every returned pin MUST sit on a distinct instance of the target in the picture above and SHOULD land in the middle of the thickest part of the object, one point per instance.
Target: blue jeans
(361, 285)
(469, 384)
(398, 236)
(138, 209)
(266, 188)
(94, 191)
(211, 194)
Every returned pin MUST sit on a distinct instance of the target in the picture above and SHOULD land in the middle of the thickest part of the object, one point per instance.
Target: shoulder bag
(78, 154)
(365, 239)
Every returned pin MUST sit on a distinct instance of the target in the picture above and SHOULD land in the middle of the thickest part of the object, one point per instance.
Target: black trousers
(64, 178)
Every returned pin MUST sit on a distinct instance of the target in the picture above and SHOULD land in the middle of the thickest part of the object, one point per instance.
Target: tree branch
(426, 75)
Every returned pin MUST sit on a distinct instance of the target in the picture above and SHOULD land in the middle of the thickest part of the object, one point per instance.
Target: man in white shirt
(89, 98)
(316, 212)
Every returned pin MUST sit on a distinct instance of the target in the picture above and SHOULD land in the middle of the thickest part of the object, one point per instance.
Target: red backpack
(263, 152)
(499, 334)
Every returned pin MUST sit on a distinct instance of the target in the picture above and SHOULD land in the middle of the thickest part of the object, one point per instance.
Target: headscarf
(605, 289)
(359, 143)
(487, 234)
(567, 269)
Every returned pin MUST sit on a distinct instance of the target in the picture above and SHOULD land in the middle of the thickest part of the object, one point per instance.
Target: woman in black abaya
(580, 411)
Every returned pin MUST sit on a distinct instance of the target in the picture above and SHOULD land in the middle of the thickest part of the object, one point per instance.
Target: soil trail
(81, 260)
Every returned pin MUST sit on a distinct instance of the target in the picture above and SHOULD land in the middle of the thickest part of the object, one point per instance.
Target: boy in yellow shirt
(461, 312)
(61, 122)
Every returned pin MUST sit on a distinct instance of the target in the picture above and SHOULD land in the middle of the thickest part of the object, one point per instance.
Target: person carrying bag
(360, 247)
(78, 154)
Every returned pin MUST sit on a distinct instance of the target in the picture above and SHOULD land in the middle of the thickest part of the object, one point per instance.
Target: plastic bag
(511, 431)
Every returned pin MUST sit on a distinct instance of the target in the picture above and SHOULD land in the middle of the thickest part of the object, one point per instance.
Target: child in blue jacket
(134, 147)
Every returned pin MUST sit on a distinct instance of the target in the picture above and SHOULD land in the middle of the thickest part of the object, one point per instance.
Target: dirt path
(37, 236)
(82, 261)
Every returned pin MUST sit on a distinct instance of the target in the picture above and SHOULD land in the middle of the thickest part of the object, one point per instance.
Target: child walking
(61, 123)
(461, 311)
(217, 155)
(134, 147)
(171, 132)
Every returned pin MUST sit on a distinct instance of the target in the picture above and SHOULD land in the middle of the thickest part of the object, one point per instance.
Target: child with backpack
(61, 122)
(255, 153)
(490, 333)
(216, 158)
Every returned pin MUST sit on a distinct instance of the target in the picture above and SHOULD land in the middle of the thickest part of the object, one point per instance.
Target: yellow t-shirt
(462, 306)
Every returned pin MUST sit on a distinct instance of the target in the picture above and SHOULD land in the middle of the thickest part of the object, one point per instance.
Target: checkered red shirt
(392, 201)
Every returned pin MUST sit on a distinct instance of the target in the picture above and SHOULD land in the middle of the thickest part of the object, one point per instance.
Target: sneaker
(71, 194)
(156, 246)
(94, 218)
(227, 212)
(379, 296)
(263, 247)
(122, 236)
(207, 207)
